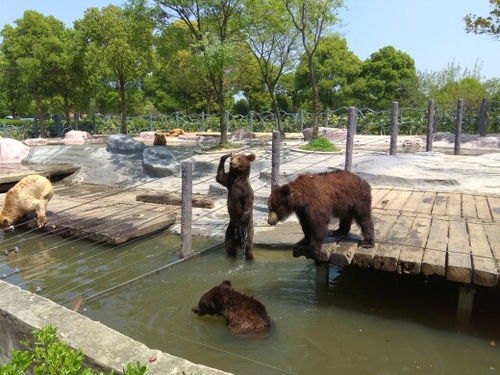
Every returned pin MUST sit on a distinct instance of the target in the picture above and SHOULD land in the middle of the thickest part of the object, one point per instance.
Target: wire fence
(412, 121)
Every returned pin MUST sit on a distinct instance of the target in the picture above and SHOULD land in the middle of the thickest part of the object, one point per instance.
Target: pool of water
(366, 322)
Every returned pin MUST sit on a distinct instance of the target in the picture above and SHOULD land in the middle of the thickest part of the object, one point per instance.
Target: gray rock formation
(124, 144)
(159, 161)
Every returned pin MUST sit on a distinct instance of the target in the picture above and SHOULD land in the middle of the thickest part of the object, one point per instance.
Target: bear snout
(197, 311)
(272, 218)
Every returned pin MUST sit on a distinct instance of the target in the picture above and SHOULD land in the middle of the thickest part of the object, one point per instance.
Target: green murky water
(367, 322)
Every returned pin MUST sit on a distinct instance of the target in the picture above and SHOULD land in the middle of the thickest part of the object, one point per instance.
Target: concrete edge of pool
(105, 349)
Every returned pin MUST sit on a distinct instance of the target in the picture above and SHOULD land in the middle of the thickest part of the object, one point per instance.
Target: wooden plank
(327, 247)
(493, 235)
(174, 199)
(454, 207)
(397, 199)
(387, 255)
(382, 200)
(378, 195)
(484, 269)
(410, 258)
(440, 203)
(413, 202)
(427, 202)
(468, 206)
(494, 203)
(459, 266)
(482, 208)
(343, 253)
(434, 260)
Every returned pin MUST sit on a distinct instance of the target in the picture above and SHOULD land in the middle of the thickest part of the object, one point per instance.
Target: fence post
(430, 125)
(93, 123)
(186, 208)
(203, 127)
(349, 143)
(458, 125)
(327, 112)
(77, 120)
(150, 122)
(301, 119)
(250, 120)
(35, 126)
(483, 117)
(177, 120)
(4, 129)
(393, 149)
(275, 160)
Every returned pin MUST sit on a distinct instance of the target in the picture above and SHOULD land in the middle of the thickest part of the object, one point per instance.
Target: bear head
(212, 302)
(5, 222)
(278, 204)
(241, 163)
(160, 139)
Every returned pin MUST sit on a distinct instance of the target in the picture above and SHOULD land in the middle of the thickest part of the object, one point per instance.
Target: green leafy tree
(389, 75)
(489, 25)
(119, 46)
(470, 89)
(312, 18)
(14, 96)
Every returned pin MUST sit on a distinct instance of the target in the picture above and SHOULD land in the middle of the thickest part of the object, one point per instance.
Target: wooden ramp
(453, 235)
(10, 174)
(104, 214)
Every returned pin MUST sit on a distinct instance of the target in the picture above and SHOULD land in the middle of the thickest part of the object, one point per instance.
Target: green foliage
(320, 144)
(489, 25)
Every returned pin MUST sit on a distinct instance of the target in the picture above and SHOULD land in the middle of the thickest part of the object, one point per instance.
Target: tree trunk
(39, 114)
(276, 109)
(315, 91)
(222, 109)
(123, 106)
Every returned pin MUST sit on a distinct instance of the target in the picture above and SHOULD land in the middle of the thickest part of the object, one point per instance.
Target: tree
(489, 25)
(311, 18)
(470, 89)
(271, 37)
(215, 27)
(119, 46)
(14, 95)
(338, 70)
(32, 49)
(389, 75)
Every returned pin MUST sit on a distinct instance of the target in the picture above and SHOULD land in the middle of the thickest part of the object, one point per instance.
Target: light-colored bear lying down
(32, 193)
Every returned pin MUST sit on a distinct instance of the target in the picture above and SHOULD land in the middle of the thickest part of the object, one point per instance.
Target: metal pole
(349, 143)
(430, 125)
(483, 117)
(186, 208)
(393, 149)
(203, 127)
(458, 125)
(275, 161)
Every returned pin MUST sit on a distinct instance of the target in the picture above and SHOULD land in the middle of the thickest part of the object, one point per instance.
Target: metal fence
(411, 121)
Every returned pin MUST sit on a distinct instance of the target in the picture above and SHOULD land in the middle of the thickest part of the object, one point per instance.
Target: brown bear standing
(315, 198)
(243, 313)
(240, 197)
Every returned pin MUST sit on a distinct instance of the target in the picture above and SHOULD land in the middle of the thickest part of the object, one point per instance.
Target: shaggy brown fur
(244, 314)
(315, 198)
(240, 198)
(160, 139)
(32, 193)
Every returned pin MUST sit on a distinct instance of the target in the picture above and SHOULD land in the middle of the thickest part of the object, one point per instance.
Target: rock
(76, 137)
(124, 144)
(147, 136)
(413, 144)
(12, 150)
(240, 135)
(159, 161)
(192, 138)
(333, 134)
(35, 142)
(217, 189)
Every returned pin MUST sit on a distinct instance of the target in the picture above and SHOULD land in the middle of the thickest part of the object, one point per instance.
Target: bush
(320, 144)
(46, 355)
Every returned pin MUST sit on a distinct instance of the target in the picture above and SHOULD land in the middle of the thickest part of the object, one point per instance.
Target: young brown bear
(160, 139)
(243, 313)
(240, 198)
(315, 198)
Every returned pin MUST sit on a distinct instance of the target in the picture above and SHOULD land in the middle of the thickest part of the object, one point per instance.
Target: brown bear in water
(315, 198)
(240, 198)
(160, 139)
(243, 313)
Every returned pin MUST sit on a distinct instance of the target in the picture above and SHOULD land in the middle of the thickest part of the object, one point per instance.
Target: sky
(430, 31)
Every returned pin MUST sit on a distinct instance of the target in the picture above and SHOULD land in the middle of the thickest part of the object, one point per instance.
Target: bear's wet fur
(244, 314)
(240, 197)
(315, 198)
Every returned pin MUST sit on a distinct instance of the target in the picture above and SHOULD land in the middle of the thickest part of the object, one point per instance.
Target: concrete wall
(21, 312)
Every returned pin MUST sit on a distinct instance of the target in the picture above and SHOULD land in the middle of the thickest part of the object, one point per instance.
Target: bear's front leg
(302, 247)
(41, 219)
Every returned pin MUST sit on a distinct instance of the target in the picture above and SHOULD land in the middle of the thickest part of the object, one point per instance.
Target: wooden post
(349, 143)
(430, 125)
(186, 208)
(393, 149)
(275, 161)
(93, 123)
(465, 303)
(458, 125)
(483, 117)
(77, 120)
(322, 275)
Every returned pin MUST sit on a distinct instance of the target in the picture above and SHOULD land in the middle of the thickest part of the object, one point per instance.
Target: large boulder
(147, 136)
(77, 137)
(159, 161)
(12, 150)
(333, 134)
(124, 144)
(241, 134)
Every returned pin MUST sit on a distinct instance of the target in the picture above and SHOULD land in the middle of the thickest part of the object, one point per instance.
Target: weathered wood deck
(104, 214)
(10, 174)
(453, 235)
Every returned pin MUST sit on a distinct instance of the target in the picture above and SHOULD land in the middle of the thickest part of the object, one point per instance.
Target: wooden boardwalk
(104, 214)
(10, 174)
(453, 235)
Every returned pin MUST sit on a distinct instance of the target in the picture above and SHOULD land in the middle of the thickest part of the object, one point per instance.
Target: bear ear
(225, 283)
(285, 189)
(251, 157)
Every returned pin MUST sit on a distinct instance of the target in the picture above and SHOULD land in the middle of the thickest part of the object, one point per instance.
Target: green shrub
(46, 355)
(320, 144)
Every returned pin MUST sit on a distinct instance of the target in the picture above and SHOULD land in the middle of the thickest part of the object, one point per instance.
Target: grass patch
(222, 146)
(320, 144)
